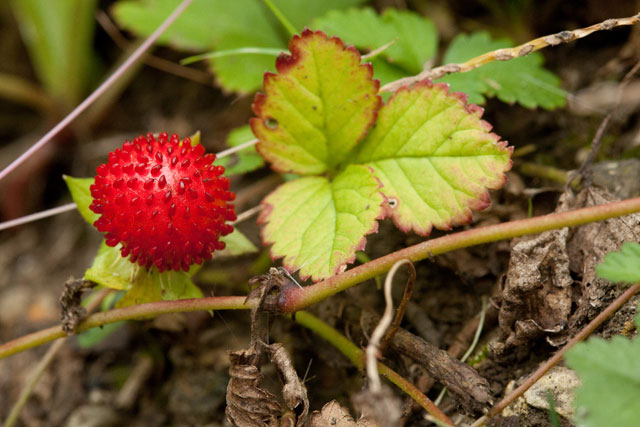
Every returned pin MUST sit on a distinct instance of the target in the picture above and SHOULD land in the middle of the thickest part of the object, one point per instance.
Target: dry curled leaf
(333, 414)
(71, 304)
(551, 288)
(294, 392)
(536, 297)
(248, 405)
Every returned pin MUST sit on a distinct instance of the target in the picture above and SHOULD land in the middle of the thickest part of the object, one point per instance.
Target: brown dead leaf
(536, 297)
(294, 392)
(333, 414)
(586, 248)
(248, 405)
(71, 303)
(540, 296)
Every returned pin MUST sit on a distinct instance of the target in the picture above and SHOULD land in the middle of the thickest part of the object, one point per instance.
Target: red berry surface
(164, 201)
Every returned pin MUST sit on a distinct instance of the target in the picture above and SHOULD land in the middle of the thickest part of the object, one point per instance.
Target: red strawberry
(164, 201)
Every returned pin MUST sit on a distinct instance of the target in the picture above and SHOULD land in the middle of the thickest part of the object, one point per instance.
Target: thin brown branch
(506, 54)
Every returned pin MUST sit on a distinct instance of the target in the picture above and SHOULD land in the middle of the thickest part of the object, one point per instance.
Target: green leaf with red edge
(435, 157)
(317, 225)
(317, 108)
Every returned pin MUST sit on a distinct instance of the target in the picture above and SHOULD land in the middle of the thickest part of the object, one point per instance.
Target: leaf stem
(283, 19)
(357, 357)
(295, 299)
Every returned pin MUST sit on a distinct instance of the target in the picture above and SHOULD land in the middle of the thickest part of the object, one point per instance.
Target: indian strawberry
(164, 201)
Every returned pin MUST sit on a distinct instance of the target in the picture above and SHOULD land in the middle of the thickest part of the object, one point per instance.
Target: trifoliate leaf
(245, 160)
(435, 158)
(622, 265)
(318, 106)
(317, 225)
(522, 80)
(415, 37)
(236, 244)
(81, 195)
(610, 374)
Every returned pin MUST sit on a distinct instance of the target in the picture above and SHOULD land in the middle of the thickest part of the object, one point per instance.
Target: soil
(174, 370)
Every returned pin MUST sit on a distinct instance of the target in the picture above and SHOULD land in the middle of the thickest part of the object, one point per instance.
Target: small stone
(561, 383)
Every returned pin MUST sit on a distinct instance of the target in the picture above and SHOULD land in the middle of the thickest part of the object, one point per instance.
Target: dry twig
(506, 54)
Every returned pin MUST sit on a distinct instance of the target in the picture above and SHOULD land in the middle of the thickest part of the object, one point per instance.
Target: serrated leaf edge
(284, 62)
(263, 218)
(483, 200)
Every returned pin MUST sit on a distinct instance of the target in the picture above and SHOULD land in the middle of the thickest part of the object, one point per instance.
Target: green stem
(541, 171)
(283, 19)
(135, 312)
(296, 299)
(356, 356)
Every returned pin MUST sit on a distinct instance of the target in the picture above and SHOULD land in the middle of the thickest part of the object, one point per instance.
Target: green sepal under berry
(435, 157)
(81, 195)
(111, 270)
(318, 224)
(316, 109)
